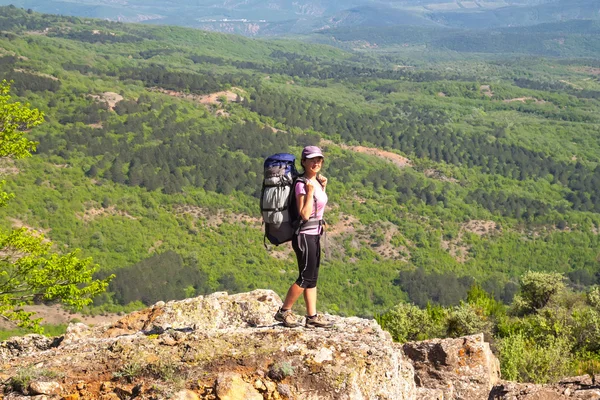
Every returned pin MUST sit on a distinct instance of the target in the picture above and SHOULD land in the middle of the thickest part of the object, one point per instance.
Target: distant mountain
(576, 38)
(555, 11)
(281, 17)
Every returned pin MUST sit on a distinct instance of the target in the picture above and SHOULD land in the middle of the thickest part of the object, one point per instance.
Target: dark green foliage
(160, 277)
(441, 288)
(424, 133)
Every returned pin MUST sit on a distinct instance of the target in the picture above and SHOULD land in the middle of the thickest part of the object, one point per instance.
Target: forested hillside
(150, 161)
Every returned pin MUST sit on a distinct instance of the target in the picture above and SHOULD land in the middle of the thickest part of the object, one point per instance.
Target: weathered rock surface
(214, 347)
(579, 387)
(222, 347)
(462, 368)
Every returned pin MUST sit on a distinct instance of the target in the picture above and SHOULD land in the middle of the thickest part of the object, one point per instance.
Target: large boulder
(462, 368)
(210, 345)
(578, 387)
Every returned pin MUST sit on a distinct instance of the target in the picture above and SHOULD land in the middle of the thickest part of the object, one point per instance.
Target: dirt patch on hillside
(456, 247)
(95, 212)
(18, 224)
(394, 158)
(349, 234)
(349, 231)
(571, 84)
(283, 252)
(587, 70)
(7, 167)
(213, 98)
(524, 100)
(24, 71)
(481, 227)
(110, 98)
(435, 174)
(486, 90)
(214, 218)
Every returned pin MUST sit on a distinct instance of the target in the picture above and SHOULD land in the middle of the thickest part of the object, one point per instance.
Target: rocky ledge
(230, 347)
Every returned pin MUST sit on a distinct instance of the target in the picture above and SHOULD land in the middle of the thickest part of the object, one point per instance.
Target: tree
(29, 270)
(537, 289)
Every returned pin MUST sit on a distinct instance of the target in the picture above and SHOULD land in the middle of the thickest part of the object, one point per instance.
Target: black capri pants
(308, 255)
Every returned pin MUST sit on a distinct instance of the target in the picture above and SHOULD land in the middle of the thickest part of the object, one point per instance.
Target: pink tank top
(321, 198)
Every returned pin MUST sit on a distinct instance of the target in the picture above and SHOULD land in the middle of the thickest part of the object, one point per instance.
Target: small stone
(259, 385)
(72, 396)
(284, 391)
(231, 386)
(168, 341)
(185, 395)
(271, 386)
(45, 387)
(106, 387)
(80, 385)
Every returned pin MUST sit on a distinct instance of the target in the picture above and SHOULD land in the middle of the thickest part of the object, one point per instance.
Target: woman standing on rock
(310, 200)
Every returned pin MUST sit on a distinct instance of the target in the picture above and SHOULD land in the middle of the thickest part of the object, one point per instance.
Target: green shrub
(525, 360)
(465, 320)
(407, 322)
(537, 289)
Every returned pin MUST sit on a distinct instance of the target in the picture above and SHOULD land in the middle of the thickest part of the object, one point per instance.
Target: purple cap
(311, 152)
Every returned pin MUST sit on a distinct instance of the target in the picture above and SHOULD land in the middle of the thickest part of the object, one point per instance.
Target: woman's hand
(322, 180)
(310, 188)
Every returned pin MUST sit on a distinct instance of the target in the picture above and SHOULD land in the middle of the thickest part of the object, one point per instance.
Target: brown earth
(111, 98)
(486, 90)
(571, 84)
(212, 98)
(587, 70)
(396, 159)
(524, 99)
(36, 73)
(93, 212)
(214, 218)
(435, 174)
(456, 248)
(377, 237)
(18, 224)
(7, 167)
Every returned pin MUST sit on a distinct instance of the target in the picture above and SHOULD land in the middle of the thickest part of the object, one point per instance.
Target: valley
(454, 182)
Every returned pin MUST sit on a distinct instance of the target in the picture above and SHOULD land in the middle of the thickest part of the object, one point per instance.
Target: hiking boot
(318, 321)
(287, 317)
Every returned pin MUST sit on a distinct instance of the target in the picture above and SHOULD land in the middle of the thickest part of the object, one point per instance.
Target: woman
(310, 200)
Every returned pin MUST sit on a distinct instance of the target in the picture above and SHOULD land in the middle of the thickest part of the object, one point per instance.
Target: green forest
(150, 161)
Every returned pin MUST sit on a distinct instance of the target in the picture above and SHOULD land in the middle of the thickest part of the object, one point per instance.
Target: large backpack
(277, 198)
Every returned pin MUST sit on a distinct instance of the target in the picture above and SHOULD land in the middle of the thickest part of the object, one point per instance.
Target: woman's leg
(310, 298)
(293, 294)
(307, 249)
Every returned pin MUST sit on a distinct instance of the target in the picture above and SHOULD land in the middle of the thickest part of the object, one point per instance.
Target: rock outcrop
(226, 347)
(213, 347)
(579, 387)
(462, 368)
